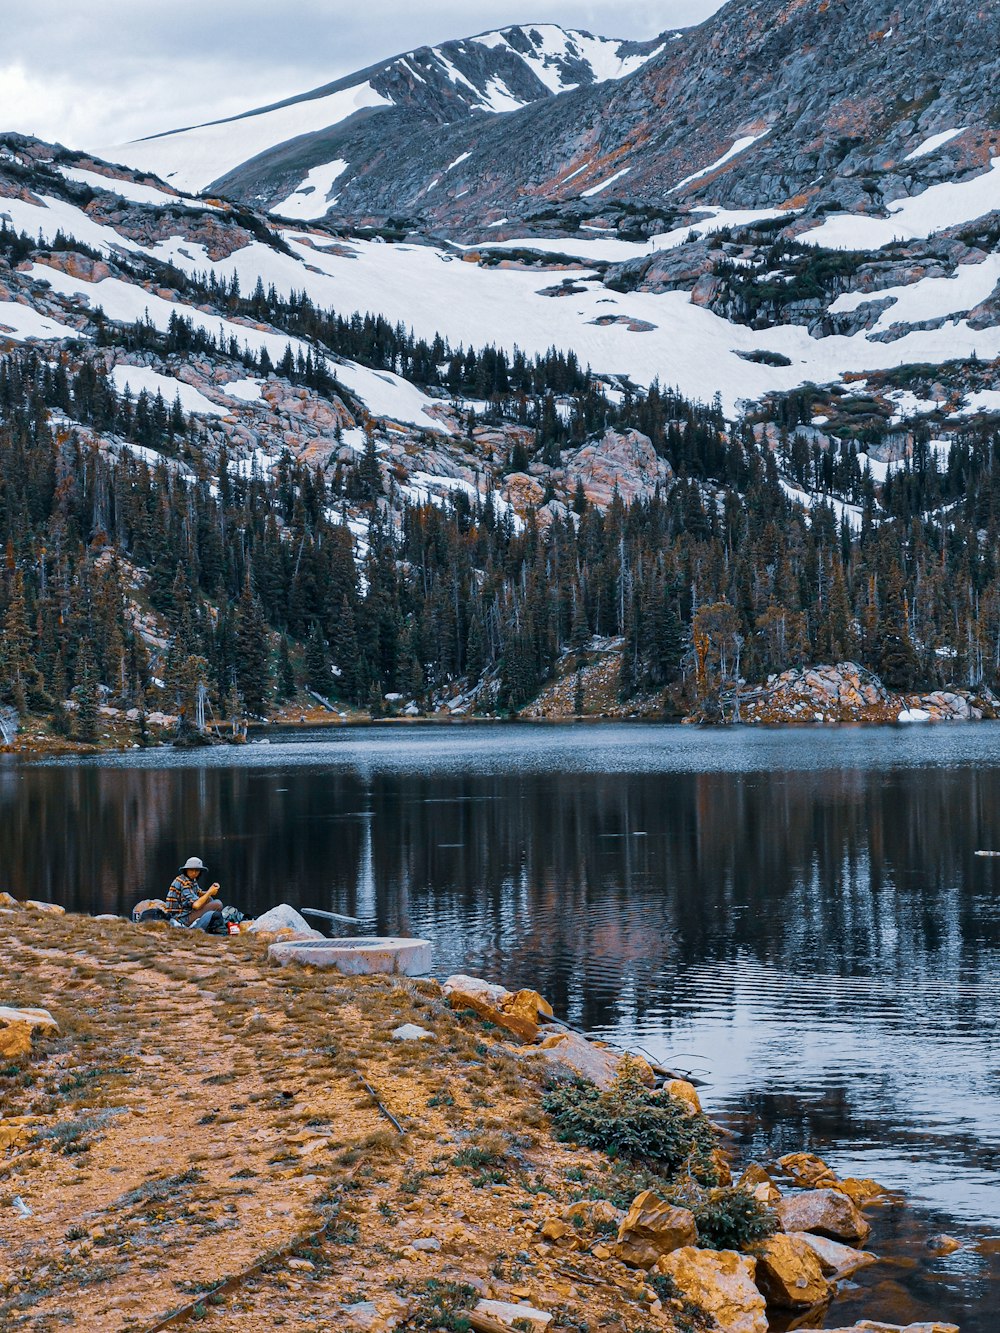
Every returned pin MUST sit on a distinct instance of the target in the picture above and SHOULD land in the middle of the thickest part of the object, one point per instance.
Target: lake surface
(797, 917)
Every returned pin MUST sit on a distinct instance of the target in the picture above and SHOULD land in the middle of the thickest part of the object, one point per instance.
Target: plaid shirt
(181, 897)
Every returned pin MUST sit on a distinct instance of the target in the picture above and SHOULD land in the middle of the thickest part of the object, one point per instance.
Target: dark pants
(206, 921)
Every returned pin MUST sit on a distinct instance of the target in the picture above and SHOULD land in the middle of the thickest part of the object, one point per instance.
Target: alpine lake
(795, 917)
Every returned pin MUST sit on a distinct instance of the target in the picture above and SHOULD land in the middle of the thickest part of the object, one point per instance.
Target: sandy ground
(201, 1110)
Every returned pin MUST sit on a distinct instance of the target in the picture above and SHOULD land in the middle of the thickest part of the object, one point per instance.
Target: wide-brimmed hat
(194, 863)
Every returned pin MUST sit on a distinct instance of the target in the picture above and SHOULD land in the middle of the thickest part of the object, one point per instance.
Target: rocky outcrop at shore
(848, 692)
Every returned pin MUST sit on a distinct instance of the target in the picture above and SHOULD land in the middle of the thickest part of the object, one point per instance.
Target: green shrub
(731, 1219)
(440, 1306)
(632, 1121)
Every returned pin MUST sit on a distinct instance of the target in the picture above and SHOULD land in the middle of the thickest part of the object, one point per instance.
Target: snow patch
(192, 159)
(915, 218)
(599, 189)
(740, 146)
(311, 199)
(932, 144)
(245, 391)
(140, 378)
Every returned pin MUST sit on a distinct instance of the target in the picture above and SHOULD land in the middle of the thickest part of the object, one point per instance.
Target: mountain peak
(492, 73)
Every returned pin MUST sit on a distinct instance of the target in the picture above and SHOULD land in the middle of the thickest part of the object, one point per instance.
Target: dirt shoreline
(201, 1121)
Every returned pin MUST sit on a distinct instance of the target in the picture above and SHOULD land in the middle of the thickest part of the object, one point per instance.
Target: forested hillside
(130, 577)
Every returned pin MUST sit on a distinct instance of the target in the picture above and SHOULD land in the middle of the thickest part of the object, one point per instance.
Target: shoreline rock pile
(795, 1273)
(848, 692)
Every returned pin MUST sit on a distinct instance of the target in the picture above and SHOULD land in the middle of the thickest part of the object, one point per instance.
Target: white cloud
(112, 70)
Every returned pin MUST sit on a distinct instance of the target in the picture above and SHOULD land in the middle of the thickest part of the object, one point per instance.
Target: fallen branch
(383, 1110)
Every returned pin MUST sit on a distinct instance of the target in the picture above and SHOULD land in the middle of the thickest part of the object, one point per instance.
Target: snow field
(131, 190)
(210, 151)
(914, 218)
(599, 189)
(20, 322)
(929, 298)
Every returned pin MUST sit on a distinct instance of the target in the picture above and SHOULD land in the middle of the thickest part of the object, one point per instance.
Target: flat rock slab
(358, 957)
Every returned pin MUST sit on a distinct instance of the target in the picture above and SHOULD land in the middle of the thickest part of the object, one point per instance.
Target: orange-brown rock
(722, 1284)
(523, 493)
(683, 1091)
(653, 1228)
(789, 1274)
(15, 1041)
(807, 1170)
(861, 1191)
(756, 1181)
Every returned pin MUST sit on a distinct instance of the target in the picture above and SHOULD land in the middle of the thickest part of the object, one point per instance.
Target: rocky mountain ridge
(429, 87)
(820, 106)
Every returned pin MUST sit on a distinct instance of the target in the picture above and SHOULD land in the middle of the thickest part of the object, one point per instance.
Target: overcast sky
(96, 74)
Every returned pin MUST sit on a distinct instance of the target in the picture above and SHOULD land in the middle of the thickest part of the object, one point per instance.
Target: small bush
(732, 1219)
(632, 1121)
(440, 1306)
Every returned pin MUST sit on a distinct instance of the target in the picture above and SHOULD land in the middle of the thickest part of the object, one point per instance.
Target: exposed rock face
(15, 1041)
(577, 1057)
(815, 117)
(626, 463)
(722, 1283)
(653, 1228)
(850, 693)
(790, 1275)
(824, 1210)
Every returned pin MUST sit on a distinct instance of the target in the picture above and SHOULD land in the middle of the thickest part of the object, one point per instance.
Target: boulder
(789, 1274)
(861, 1191)
(411, 1032)
(722, 1284)
(943, 1244)
(574, 1056)
(871, 1326)
(594, 1215)
(824, 1210)
(35, 1018)
(518, 1012)
(807, 1170)
(683, 1091)
(284, 917)
(836, 1260)
(653, 1228)
(756, 1181)
(47, 909)
(15, 1041)
(510, 1313)
(9, 901)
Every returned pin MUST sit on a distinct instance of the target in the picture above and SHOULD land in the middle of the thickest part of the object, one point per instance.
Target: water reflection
(799, 916)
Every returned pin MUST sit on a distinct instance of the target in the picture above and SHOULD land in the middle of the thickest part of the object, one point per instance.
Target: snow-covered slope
(493, 73)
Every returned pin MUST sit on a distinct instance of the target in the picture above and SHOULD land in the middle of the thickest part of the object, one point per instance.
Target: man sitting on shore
(189, 906)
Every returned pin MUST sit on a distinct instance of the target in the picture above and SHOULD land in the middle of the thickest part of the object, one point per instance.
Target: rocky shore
(188, 1130)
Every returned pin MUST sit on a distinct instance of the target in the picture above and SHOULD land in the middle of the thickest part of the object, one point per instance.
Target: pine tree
(253, 667)
(286, 676)
(317, 662)
(87, 695)
(19, 676)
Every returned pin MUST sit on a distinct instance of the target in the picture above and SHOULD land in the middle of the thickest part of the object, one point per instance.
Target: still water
(796, 917)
